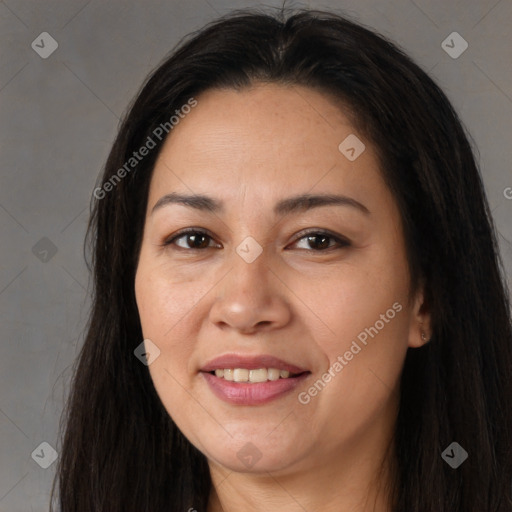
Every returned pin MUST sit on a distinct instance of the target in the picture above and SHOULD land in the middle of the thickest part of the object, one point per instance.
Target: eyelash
(343, 243)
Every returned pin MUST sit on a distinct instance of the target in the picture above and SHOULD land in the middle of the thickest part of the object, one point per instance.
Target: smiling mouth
(243, 375)
(252, 387)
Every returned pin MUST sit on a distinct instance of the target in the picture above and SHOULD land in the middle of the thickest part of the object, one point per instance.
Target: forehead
(265, 140)
(268, 115)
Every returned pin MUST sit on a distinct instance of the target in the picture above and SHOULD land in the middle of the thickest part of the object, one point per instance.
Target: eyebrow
(298, 203)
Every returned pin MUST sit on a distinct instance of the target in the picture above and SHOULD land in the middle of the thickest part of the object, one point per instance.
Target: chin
(254, 454)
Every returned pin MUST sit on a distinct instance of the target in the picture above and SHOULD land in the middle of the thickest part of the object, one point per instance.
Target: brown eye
(319, 241)
(194, 240)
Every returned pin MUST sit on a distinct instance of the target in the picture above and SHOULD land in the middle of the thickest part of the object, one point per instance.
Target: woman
(299, 303)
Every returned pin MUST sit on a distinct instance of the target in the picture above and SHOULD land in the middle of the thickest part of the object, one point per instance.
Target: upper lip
(250, 363)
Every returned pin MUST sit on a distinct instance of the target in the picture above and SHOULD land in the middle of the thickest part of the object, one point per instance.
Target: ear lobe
(421, 324)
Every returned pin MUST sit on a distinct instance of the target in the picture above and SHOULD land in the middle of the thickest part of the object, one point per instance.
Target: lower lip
(244, 393)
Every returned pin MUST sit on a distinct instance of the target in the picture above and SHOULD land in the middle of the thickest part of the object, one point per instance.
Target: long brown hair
(121, 451)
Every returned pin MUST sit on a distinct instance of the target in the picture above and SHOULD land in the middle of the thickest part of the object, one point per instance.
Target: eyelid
(171, 239)
(341, 241)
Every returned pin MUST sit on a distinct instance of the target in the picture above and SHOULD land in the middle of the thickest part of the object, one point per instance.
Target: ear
(420, 330)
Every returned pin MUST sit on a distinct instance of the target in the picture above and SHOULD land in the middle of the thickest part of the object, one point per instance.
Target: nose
(251, 298)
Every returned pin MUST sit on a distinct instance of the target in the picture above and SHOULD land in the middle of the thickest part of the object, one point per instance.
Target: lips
(250, 363)
(253, 393)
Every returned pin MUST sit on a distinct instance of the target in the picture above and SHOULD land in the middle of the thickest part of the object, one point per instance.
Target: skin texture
(296, 301)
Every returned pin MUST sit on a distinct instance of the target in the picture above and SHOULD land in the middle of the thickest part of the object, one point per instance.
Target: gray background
(59, 116)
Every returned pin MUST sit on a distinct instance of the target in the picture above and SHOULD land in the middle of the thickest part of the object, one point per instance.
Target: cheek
(164, 309)
(161, 304)
(355, 303)
(366, 312)
(164, 300)
(362, 368)
(171, 311)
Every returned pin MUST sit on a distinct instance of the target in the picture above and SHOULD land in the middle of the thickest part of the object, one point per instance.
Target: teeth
(244, 375)
(258, 375)
(240, 375)
(273, 374)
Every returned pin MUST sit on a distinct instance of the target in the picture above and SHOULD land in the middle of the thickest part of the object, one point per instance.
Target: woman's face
(319, 288)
